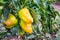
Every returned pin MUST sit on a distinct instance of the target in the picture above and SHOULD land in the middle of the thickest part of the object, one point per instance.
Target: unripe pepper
(22, 32)
(11, 21)
(26, 27)
(25, 15)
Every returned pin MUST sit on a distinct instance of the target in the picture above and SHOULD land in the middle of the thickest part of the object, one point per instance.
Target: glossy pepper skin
(26, 27)
(11, 21)
(25, 15)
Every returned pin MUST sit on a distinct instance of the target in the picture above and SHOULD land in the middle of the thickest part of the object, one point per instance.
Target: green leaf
(34, 15)
(1, 1)
(15, 30)
(6, 12)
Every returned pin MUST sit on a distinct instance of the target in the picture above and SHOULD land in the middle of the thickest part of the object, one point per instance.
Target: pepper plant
(41, 11)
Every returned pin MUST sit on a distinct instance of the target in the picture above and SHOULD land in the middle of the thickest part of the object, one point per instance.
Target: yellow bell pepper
(26, 27)
(11, 21)
(25, 15)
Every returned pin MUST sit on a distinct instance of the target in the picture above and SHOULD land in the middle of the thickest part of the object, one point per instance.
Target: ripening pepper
(11, 21)
(25, 15)
(26, 27)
